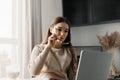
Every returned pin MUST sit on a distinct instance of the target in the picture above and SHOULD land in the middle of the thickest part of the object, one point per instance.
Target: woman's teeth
(59, 41)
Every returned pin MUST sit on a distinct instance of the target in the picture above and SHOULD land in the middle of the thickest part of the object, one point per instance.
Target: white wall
(49, 9)
(87, 35)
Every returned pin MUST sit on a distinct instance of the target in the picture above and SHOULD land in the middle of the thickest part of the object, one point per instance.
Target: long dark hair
(56, 21)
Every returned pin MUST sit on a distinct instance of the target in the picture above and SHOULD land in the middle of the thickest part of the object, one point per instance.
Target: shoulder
(72, 49)
(39, 47)
(73, 52)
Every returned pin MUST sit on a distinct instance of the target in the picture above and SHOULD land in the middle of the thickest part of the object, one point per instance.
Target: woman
(55, 58)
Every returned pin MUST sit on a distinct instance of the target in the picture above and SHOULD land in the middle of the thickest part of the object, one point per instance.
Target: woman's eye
(59, 29)
(66, 30)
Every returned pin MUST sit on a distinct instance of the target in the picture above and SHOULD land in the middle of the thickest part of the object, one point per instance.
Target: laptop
(93, 65)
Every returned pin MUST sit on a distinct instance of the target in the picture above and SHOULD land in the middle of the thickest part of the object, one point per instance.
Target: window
(12, 36)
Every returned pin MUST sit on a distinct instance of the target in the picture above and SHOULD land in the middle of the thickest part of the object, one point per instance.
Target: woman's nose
(62, 33)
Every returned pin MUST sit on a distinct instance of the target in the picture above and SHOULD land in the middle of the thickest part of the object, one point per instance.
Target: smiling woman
(54, 58)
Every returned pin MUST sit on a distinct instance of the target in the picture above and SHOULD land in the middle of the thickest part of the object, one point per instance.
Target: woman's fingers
(51, 40)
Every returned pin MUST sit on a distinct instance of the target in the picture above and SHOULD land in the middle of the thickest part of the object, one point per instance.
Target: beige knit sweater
(51, 63)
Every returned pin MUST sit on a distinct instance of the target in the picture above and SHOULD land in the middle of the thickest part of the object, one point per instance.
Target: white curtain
(33, 30)
(26, 36)
(36, 21)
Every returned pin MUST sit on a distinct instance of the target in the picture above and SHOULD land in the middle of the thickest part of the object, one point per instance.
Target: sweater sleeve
(37, 59)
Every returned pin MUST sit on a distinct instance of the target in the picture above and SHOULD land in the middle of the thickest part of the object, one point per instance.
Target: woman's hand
(51, 40)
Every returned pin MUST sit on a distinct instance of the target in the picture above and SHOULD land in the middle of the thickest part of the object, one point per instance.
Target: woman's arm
(38, 58)
(39, 55)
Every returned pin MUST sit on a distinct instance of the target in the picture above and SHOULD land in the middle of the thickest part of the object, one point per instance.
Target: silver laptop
(93, 65)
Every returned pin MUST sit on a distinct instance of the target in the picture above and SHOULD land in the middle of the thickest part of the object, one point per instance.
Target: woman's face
(61, 31)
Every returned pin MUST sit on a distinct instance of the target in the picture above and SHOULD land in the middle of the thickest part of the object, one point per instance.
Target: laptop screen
(93, 65)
